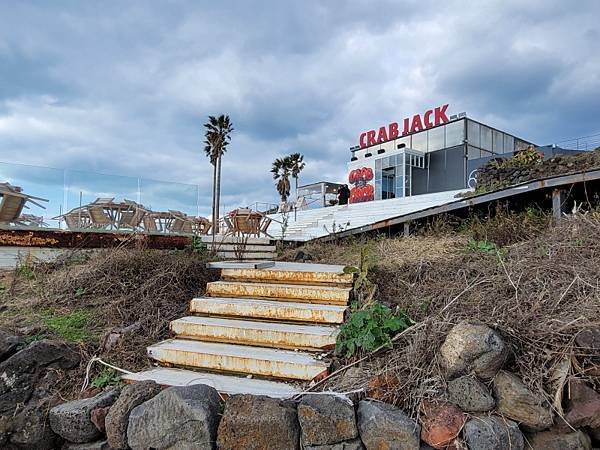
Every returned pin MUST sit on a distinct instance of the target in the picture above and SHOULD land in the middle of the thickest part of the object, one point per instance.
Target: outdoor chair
(14, 201)
(246, 223)
(76, 219)
(133, 216)
(149, 222)
(99, 218)
(265, 221)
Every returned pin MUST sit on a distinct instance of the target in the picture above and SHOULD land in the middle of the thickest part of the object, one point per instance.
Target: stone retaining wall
(485, 407)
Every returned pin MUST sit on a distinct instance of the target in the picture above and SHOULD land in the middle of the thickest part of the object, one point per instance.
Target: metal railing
(583, 143)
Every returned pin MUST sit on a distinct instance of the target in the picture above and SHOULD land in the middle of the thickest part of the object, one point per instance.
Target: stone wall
(485, 407)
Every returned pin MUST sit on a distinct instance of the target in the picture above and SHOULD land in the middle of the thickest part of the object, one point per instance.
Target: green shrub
(108, 377)
(370, 328)
(482, 246)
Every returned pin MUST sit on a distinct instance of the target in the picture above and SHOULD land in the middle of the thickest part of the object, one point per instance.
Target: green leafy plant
(80, 292)
(75, 326)
(370, 328)
(482, 246)
(198, 246)
(363, 290)
(26, 270)
(108, 377)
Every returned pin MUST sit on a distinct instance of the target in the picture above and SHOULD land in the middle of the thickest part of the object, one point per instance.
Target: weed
(482, 246)
(79, 292)
(364, 289)
(26, 271)
(370, 328)
(198, 246)
(74, 326)
(108, 377)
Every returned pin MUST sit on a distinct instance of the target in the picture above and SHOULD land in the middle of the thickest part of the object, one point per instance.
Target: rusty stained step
(225, 384)
(268, 309)
(239, 359)
(274, 275)
(264, 334)
(330, 295)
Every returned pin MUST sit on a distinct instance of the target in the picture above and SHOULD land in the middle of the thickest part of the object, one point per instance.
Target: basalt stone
(9, 344)
(117, 418)
(97, 445)
(516, 401)
(326, 419)
(354, 444)
(473, 347)
(73, 420)
(493, 433)
(20, 372)
(180, 417)
(589, 339)
(383, 426)
(258, 422)
(552, 440)
(441, 423)
(470, 394)
(30, 429)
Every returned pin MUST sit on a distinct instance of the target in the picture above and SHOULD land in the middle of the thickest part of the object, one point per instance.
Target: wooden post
(558, 204)
(406, 229)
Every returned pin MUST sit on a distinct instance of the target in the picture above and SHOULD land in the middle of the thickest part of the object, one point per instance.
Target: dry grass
(539, 293)
(115, 289)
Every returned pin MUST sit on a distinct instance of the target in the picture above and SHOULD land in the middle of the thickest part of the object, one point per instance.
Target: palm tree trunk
(218, 184)
(214, 195)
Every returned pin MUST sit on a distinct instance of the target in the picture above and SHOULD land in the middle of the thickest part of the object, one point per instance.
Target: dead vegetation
(538, 285)
(112, 304)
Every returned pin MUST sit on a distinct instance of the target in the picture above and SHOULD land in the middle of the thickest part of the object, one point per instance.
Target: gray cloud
(124, 87)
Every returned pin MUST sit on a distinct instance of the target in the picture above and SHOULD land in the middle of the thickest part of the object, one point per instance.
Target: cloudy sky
(123, 87)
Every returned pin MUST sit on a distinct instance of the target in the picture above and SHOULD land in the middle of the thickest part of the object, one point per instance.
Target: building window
(473, 153)
(498, 141)
(436, 139)
(419, 141)
(509, 143)
(455, 133)
(486, 138)
(473, 133)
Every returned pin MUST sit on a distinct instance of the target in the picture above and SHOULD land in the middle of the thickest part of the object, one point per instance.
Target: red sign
(431, 118)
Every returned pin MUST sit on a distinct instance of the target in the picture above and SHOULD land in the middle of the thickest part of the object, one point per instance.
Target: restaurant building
(427, 153)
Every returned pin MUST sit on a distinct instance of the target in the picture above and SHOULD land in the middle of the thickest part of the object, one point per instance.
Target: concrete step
(245, 248)
(329, 295)
(225, 384)
(292, 273)
(239, 358)
(247, 332)
(268, 309)
(246, 255)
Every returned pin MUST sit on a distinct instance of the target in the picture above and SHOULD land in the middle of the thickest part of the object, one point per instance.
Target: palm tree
(218, 135)
(296, 162)
(281, 171)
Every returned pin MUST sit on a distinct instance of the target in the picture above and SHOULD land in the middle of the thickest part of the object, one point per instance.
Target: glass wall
(448, 135)
(66, 190)
(393, 174)
(485, 141)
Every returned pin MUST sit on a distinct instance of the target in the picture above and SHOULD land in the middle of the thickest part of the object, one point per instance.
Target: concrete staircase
(238, 248)
(315, 223)
(254, 327)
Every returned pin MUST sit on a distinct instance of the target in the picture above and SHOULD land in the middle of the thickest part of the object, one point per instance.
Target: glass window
(455, 133)
(419, 141)
(486, 138)
(378, 163)
(485, 154)
(473, 153)
(473, 133)
(520, 145)
(436, 139)
(509, 143)
(498, 141)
